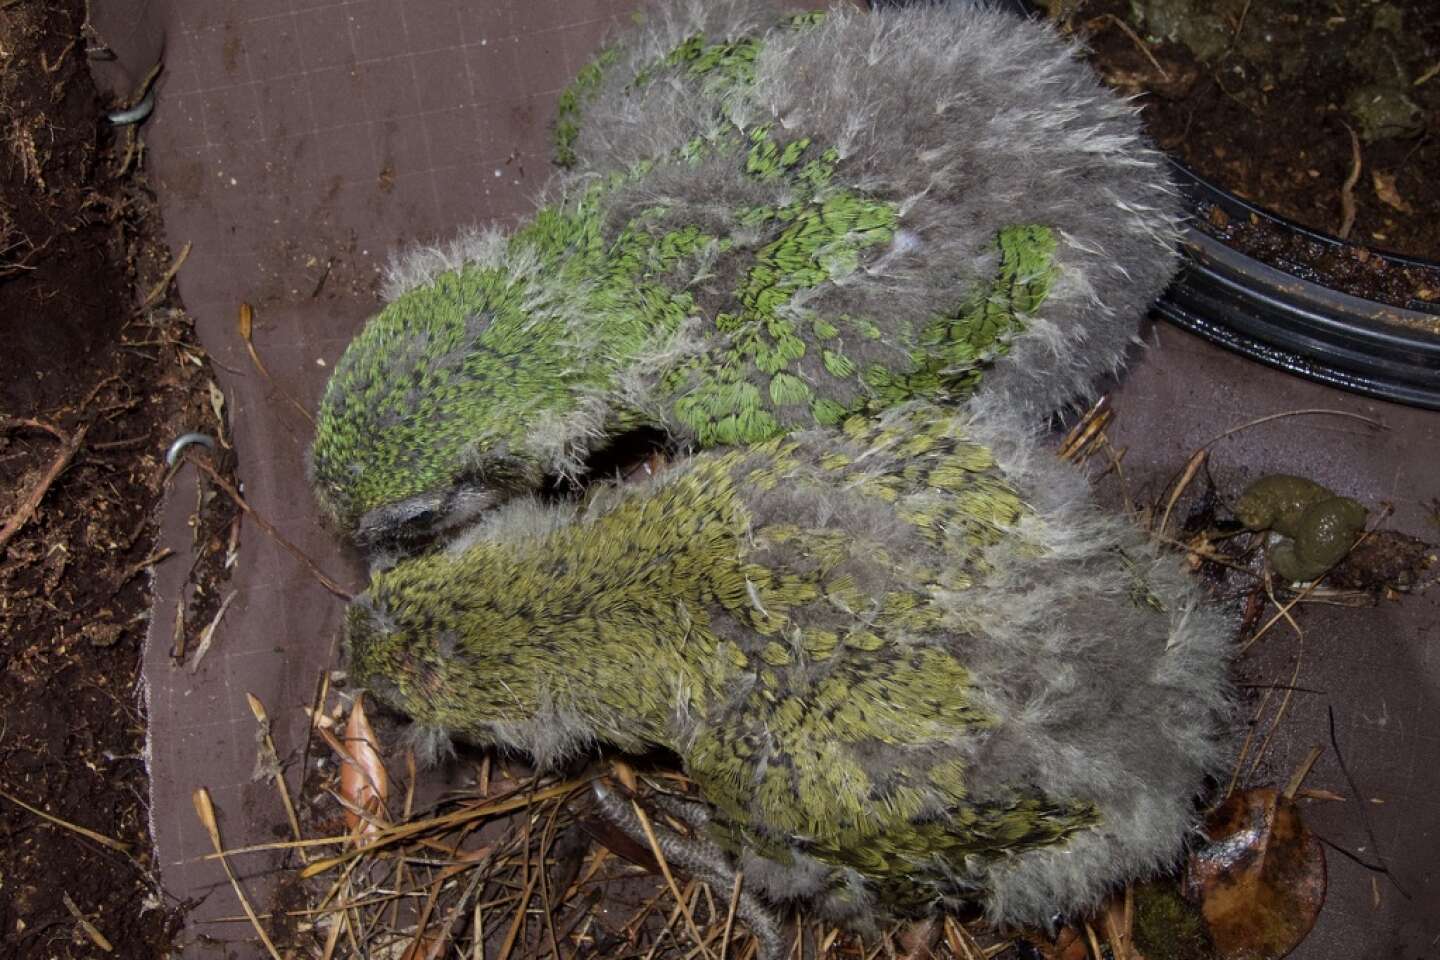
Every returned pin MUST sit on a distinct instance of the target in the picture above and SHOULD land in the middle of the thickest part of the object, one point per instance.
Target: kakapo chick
(907, 662)
(771, 223)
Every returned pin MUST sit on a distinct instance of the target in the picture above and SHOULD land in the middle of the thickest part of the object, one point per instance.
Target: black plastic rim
(1305, 328)
(1287, 321)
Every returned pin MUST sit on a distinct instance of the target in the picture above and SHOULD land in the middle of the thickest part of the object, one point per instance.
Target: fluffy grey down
(971, 118)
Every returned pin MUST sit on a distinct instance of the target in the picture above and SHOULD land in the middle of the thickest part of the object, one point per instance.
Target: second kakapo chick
(773, 223)
(908, 663)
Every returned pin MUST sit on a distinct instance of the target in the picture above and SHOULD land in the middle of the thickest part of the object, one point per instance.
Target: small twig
(85, 832)
(125, 444)
(96, 937)
(1197, 460)
(1293, 413)
(1352, 856)
(1240, 23)
(265, 525)
(1139, 44)
(1301, 772)
(959, 940)
(206, 811)
(520, 910)
(1089, 425)
(132, 103)
(208, 634)
(665, 870)
(177, 632)
(1245, 746)
(1284, 700)
(150, 561)
(1313, 793)
(245, 323)
(69, 446)
(1312, 585)
(324, 275)
(258, 709)
(730, 913)
(391, 834)
(158, 291)
(51, 68)
(1347, 189)
(1364, 814)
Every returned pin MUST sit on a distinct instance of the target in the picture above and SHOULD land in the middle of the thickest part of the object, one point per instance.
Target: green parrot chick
(907, 662)
(769, 224)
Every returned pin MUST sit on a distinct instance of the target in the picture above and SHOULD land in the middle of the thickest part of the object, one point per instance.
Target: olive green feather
(880, 650)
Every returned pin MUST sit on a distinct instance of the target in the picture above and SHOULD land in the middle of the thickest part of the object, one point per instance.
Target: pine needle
(665, 871)
(206, 811)
(85, 832)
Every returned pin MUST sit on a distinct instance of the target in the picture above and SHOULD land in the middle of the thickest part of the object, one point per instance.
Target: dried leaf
(217, 401)
(90, 930)
(425, 946)
(1070, 943)
(363, 781)
(1385, 189)
(1260, 882)
(1117, 919)
(245, 322)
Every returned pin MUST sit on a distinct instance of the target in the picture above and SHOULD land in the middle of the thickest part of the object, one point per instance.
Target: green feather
(678, 617)
(455, 380)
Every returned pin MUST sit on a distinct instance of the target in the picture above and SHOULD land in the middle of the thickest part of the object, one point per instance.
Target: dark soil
(94, 383)
(1262, 99)
(1358, 270)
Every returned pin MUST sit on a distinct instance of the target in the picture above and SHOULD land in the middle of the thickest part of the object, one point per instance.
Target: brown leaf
(1069, 944)
(245, 324)
(1117, 919)
(1260, 882)
(425, 946)
(363, 781)
(1385, 189)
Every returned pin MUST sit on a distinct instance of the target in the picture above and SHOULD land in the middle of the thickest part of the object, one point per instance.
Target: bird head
(456, 397)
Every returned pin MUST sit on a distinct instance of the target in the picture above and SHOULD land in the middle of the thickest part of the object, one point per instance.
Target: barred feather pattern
(907, 661)
(770, 223)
